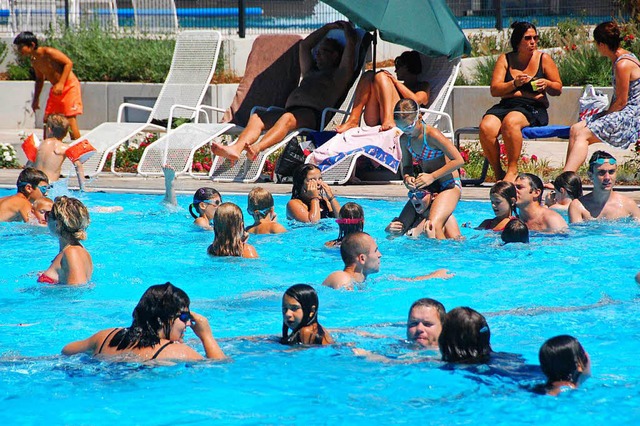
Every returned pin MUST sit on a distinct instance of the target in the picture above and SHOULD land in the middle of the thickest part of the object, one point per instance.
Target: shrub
(8, 157)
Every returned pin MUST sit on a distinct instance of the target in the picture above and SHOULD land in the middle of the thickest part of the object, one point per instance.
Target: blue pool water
(581, 285)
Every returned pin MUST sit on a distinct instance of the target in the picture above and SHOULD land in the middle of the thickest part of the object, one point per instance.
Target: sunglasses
(530, 37)
(418, 194)
(185, 317)
(600, 161)
(45, 188)
(212, 202)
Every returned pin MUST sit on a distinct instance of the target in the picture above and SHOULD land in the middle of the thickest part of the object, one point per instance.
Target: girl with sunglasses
(300, 316)
(522, 79)
(205, 200)
(434, 183)
(157, 332)
(68, 220)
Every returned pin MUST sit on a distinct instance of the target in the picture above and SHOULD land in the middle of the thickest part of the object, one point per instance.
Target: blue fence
(264, 16)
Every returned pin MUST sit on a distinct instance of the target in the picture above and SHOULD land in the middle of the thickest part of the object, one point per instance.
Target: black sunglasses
(185, 317)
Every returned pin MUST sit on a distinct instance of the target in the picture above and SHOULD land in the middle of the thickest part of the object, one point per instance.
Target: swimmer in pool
(260, 206)
(300, 317)
(68, 220)
(503, 203)
(529, 191)
(32, 184)
(424, 324)
(565, 363)
(40, 208)
(465, 337)
(351, 220)
(205, 200)
(230, 237)
(157, 332)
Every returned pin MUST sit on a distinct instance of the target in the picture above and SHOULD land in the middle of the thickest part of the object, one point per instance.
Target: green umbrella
(427, 26)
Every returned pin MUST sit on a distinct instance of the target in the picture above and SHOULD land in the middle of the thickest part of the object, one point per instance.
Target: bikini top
(527, 86)
(427, 152)
(155, 355)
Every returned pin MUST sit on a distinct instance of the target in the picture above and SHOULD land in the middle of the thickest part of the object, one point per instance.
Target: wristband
(333, 197)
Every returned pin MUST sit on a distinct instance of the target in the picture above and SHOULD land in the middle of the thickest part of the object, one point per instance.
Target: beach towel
(370, 142)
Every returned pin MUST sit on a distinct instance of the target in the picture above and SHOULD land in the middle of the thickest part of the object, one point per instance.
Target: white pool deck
(554, 151)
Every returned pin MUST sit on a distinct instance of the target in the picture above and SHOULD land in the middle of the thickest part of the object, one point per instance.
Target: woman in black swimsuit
(523, 79)
(157, 331)
(311, 198)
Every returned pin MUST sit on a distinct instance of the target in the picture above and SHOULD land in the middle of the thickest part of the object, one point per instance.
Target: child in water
(515, 231)
(565, 363)
(503, 203)
(68, 220)
(351, 220)
(300, 315)
(40, 208)
(260, 207)
(230, 238)
(205, 200)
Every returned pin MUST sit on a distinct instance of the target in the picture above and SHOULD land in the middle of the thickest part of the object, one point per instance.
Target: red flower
(197, 167)
(525, 159)
(534, 158)
(463, 172)
(629, 37)
(206, 167)
(465, 156)
(503, 150)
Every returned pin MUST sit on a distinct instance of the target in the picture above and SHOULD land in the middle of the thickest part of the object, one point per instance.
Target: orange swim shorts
(68, 103)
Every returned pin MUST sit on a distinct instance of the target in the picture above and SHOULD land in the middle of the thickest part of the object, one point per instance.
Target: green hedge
(104, 56)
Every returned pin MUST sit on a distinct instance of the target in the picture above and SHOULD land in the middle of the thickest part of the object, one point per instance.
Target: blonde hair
(228, 227)
(59, 125)
(259, 199)
(71, 216)
(43, 203)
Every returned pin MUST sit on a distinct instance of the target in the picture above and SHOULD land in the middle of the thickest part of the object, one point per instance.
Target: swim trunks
(68, 103)
(534, 111)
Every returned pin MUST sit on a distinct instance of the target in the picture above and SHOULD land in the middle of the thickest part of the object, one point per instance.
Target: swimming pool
(515, 286)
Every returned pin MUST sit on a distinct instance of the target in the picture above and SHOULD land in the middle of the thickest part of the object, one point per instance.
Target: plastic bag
(592, 102)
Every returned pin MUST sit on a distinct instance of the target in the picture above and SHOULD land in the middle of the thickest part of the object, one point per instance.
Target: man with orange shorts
(53, 65)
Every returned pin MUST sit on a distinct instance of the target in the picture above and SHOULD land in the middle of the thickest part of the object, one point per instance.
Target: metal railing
(269, 16)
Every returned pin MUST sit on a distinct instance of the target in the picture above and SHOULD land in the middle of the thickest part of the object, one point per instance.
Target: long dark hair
(506, 190)
(202, 194)
(351, 220)
(156, 310)
(571, 183)
(308, 298)
(560, 358)
(465, 337)
(299, 175)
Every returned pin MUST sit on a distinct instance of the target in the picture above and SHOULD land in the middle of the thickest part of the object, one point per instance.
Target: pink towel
(381, 147)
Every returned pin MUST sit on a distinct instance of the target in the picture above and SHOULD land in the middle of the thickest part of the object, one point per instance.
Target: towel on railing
(370, 142)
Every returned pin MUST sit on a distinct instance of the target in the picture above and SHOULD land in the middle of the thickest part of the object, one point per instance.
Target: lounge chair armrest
(130, 105)
(327, 110)
(442, 114)
(202, 108)
(261, 108)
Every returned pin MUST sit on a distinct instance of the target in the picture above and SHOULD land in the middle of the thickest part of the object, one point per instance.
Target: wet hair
(560, 357)
(430, 303)
(465, 337)
(308, 298)
(228, 227)
(534, 182)
(570, 182)
(201, 194)
(596, 156)
(410, 59)
(404, 107)
(299, 175)
(157, 309)
(353, 245)
(354, 222)
(259, 199)
(59, 125)
(71, 218)
(506, 190)
(609, 34)
(519, 28)
(26, 38)
(515, 231)
(31, 176)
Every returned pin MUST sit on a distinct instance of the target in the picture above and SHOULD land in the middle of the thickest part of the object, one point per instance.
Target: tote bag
(592, 102)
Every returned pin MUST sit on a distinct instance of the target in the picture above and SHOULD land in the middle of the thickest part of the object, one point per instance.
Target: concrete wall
(101, 101)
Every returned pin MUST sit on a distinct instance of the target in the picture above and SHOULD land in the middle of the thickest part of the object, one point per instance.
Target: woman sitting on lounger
(523, 79)
(377, 93)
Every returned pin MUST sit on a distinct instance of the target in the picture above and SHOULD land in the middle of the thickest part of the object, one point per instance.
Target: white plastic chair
(103, 13)
(194, 60)
(441, 75)
(155, 16)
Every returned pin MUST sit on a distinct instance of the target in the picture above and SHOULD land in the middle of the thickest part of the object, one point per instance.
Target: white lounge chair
(103, 13)
(247, 171)
(194, 60)
(441, 75)
(155, 16)
(272, 72)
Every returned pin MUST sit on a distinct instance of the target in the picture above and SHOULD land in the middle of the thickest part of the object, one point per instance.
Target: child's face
(40, 213)
(24, 50)
(421, 200)
(292, 313)
(208, 207)
(423, 326)
(500, 205)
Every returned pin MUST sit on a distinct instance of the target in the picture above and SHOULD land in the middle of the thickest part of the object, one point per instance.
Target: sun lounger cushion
(544, 132)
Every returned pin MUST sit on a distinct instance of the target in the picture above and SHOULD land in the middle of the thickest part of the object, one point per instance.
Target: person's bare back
(49, 63)
(51, 155)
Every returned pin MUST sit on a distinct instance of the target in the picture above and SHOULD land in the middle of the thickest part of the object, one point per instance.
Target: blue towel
(543, 132)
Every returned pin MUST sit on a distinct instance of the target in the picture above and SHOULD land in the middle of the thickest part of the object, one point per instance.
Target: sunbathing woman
(377, 93)
(351, 220)
(503, 203)
(311, 198)
(230, 237)
(300, 315)
(157, 331)
(68, 220)
(618, 125)
(438, 161)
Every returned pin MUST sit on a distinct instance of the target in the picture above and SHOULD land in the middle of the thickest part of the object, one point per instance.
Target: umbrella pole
(375, 45)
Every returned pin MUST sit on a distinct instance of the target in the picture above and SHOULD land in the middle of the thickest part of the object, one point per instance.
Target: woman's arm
(407, 163)
(421, 96)
(455, 160)
(86, 345)
(498, 86)
(299, 211)
(552, 84)
(202, 329)
(622, 72)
